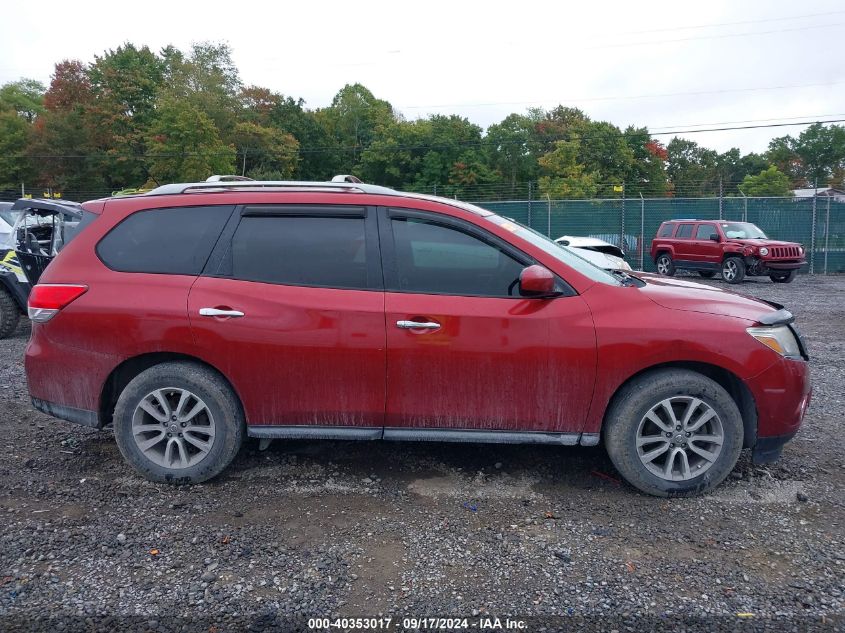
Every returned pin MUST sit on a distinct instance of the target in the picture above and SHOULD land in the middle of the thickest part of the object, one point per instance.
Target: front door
(464, 349)
(292, 313)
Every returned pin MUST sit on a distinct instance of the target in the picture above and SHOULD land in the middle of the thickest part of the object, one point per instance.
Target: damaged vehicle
(14, 287)
(198, 314)
(602, 254)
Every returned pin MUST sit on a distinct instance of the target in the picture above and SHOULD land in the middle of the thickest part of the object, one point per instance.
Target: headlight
(778, 338)
(764, 251)
(800, 250)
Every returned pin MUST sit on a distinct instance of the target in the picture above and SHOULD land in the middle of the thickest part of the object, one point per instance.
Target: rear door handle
(217, 312)
(417, 325)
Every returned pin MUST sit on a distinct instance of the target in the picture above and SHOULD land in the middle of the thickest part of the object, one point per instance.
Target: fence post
(826, 233)
(642, 230)
(721, 216)
(622, 224)
(549, 230)
(435, 189)
(529, 203)
(813, 229)
(744, 205)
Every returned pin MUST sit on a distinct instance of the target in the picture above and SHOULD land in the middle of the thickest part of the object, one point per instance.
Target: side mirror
(715, 237)
(537, 281)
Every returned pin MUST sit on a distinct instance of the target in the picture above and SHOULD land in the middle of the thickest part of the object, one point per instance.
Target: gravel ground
(410, 530)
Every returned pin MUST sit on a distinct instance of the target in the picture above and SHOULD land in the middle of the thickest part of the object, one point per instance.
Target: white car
(597, 252)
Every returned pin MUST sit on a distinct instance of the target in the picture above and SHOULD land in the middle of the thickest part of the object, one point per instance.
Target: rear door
(291, 310)
(684, 247)
(464, 349)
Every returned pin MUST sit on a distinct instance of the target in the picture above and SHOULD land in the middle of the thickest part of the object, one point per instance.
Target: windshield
(742, 231)
(554, 249)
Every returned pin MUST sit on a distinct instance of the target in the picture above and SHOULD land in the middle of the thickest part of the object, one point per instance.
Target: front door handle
(217, 312)
(417, 325)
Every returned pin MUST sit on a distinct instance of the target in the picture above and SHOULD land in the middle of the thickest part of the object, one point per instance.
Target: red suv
(197, 314)
(736, 249)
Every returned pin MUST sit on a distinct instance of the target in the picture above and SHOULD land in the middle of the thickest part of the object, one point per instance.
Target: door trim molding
(403, 434)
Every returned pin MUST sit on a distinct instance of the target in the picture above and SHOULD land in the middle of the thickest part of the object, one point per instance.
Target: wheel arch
(664, 250)
(731, 383)
(121, 375)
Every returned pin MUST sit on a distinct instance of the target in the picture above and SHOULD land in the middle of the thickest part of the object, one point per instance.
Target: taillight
(45, 300)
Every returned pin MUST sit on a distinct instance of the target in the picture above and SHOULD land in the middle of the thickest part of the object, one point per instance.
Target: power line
(742, 22)
(622, 97)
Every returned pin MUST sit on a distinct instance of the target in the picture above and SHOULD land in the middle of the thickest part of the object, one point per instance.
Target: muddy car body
(199, 313)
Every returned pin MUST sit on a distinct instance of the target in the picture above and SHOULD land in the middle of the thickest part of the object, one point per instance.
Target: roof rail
(348, 187)
(228, 178)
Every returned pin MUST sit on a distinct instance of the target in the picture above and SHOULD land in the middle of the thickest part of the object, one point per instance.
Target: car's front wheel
(178, 422)
(733, 270)
(673, 432)
(784, 277)
(10, 315)
(665, 265)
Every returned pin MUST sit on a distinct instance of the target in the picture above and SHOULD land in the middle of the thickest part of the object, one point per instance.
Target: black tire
(733, 270)
(664, 260)
(10, 314)
(707, 274)
(784, 277)
(634, 400)
(224, 414)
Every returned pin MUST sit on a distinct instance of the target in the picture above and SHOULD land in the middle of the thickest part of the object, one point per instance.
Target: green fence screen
(817, 224)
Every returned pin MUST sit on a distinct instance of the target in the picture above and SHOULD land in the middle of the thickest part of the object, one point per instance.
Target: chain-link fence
(817, 223)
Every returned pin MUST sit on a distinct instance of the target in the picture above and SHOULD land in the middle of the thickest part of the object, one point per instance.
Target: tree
(692, 169)
(266, 151)
(769, 182)
(565, 177)
(647, 173)
(24, 97)
(184, 145)
(513, 146)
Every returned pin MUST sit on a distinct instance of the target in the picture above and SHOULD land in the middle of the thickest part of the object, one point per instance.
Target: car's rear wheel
(10, 315)
(665, 265)
(733, 270)
(673, 432)
(707, 274)
(178, 422)
(784, 277)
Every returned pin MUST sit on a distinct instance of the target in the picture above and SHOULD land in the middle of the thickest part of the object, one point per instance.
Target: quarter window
(666, 231)
(177, 241)
(437, 259)
(684, 231)
(301, 251)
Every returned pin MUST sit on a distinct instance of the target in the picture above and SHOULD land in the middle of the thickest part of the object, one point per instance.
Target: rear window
(666, 230)
(174, 241)
(685, 230)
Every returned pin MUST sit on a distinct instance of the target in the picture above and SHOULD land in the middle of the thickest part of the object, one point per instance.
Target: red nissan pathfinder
(197, 314)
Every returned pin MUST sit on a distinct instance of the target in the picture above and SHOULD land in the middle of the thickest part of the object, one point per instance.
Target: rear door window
(174, 241)
(684, 231)
(302, 250)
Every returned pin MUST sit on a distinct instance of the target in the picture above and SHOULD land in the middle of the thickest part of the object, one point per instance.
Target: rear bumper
(71, 414)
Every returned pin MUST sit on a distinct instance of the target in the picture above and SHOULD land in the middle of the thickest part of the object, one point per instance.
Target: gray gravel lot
(346, 529)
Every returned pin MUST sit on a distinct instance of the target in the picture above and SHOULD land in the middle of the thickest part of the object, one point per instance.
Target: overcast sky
(668, 65)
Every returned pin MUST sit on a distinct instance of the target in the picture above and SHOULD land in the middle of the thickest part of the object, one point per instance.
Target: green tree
(513, 147)
(692, 169)
(769, 182)
(24, 97)
(564, 177)
(267, 152)
(184, 145)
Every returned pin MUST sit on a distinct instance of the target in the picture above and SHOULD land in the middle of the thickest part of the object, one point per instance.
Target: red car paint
(324, 356)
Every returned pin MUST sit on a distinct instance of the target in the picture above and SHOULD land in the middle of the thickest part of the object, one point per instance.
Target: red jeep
(736, 249)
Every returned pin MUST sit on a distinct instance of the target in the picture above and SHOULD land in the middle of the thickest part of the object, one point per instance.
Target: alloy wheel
(679, 438)
(173, 428)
